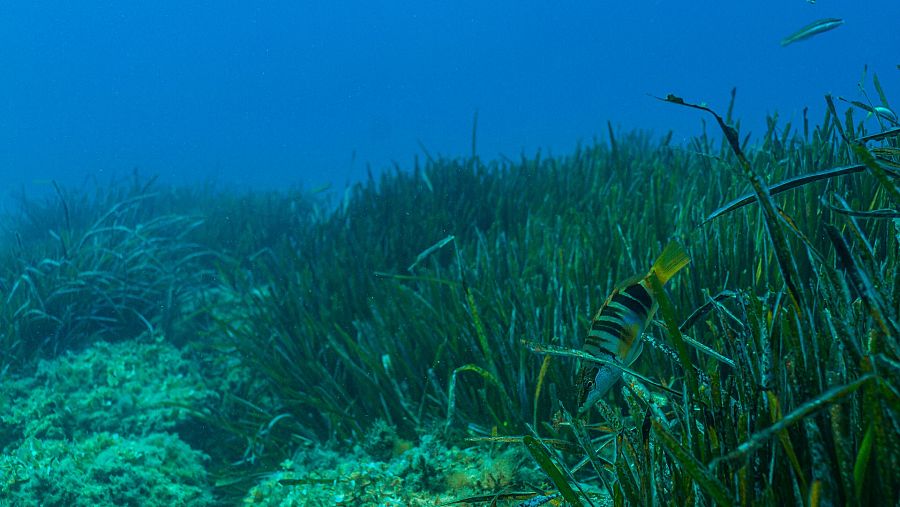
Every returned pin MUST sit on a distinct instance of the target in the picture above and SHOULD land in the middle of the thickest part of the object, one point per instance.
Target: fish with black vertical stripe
(617, 327)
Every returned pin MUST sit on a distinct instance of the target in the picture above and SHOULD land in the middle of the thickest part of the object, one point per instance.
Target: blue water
(272, 94)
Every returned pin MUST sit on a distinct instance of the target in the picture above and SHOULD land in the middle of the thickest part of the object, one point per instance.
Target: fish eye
(585, 391)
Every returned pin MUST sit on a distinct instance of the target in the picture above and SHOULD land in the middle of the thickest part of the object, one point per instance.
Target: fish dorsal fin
(672, 259)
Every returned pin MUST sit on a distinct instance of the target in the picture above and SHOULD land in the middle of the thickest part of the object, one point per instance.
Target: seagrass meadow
(414, 339)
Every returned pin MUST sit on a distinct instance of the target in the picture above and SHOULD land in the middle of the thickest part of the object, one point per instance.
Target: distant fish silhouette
(814, 28)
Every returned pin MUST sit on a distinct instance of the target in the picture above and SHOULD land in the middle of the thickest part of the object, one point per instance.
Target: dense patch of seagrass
(459, 293)
(454, 298)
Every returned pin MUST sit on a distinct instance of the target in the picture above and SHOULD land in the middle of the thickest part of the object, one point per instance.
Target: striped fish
(619, 324)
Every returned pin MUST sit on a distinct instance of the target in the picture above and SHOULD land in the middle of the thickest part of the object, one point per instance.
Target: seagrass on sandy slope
(419, 299)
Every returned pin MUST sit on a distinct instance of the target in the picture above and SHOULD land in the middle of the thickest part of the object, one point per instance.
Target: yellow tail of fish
(670, 261)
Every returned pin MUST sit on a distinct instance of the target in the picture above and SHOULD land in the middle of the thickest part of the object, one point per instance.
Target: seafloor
(103, 426)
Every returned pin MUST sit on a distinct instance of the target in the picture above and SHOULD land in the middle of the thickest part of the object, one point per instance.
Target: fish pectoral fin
(634, 353)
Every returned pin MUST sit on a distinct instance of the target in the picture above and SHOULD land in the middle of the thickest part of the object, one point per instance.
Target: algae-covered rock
(105, 470)
(131, 387)
(382, 443)
(96, 427)
(430, 473)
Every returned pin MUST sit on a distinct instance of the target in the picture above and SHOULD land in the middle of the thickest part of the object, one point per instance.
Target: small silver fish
(885, 113)
(814, 28)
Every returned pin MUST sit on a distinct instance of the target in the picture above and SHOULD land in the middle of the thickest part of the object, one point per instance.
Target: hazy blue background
(266, 94)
